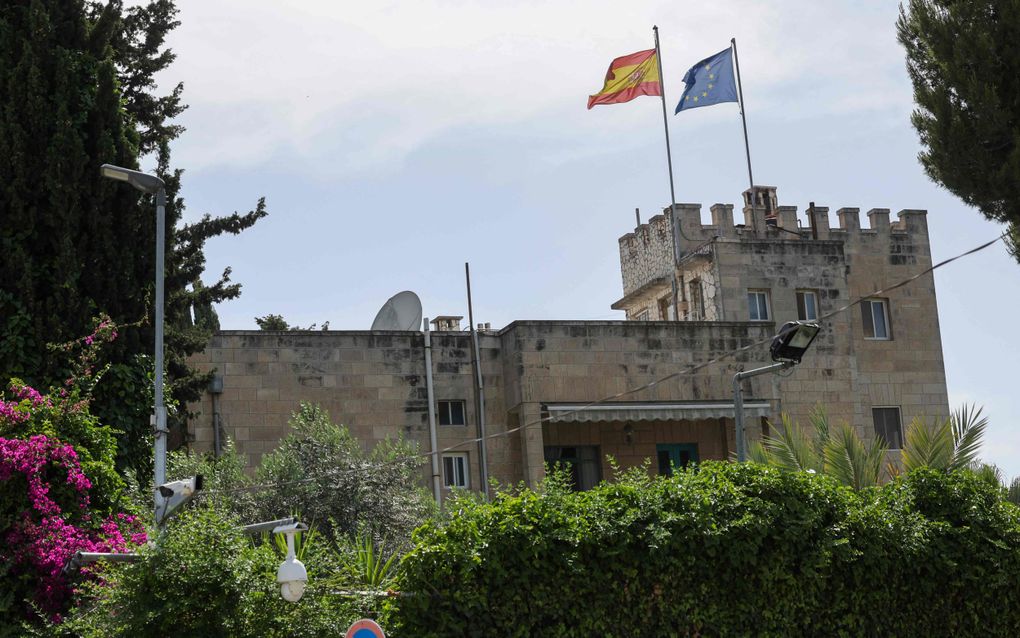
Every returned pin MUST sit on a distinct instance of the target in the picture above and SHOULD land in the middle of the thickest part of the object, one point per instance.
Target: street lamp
(152, 185)
(787, 349)
(292, 574)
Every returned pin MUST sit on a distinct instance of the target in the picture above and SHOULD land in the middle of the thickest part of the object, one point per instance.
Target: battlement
(646, 254)
(768, 220)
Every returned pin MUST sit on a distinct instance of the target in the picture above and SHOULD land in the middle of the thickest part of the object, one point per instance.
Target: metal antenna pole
(674, 225)
(483, 457)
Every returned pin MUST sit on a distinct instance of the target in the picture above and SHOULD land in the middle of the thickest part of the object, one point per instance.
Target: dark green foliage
(205, 578)
(278, 323)
(965, 68)
(77, 89)
(321, 471)
(728, 550)
(272, 322)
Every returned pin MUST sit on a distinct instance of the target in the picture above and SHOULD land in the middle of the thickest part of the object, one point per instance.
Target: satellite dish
(401, 312)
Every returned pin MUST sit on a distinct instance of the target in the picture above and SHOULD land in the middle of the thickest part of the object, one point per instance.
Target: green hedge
(728, 550)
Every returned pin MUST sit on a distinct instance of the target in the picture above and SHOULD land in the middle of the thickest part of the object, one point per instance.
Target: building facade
(649, 388)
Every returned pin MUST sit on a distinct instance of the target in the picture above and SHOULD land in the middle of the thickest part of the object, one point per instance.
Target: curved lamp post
(153, 185)
(788, 346)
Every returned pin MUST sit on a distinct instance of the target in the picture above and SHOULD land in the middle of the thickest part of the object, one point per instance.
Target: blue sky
(395, 141)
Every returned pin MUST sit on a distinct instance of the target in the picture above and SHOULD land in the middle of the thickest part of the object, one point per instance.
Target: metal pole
(743, 118)
(738, 402)
(160, 409)
(483, 458)
(433, 437)
(674, 225)
(217, 446)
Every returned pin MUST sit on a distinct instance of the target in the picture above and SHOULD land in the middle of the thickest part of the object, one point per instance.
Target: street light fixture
(787, 349)
(152, 185)
(793, 340)
(292, 574)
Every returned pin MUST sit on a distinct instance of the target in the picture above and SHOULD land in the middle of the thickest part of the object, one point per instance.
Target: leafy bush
(321, 472)
(58, 491)
(204, 577)
(725, 550)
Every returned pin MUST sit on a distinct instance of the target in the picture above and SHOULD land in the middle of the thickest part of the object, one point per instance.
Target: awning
(694, 411)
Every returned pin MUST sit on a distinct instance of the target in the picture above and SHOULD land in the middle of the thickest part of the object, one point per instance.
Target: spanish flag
(628, 77)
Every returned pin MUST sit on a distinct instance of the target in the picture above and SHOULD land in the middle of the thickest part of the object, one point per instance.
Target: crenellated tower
(880, 350)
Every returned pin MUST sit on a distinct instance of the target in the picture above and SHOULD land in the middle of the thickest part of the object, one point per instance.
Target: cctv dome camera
(292, 591)
(292, 574)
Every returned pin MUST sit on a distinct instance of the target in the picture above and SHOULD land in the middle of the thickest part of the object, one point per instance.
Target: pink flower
(43, 538)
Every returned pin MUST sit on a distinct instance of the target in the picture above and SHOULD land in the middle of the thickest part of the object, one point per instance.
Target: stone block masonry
(872, 353)
(883, 354)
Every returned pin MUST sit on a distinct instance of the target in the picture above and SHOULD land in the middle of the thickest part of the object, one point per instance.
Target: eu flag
(709, 82)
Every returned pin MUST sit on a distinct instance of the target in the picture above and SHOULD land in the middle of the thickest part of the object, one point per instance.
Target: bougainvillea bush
(59, 491)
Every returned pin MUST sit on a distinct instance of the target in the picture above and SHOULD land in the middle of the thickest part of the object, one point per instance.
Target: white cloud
(368, 83)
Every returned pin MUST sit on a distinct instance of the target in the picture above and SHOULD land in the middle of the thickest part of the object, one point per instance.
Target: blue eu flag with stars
(709, 82)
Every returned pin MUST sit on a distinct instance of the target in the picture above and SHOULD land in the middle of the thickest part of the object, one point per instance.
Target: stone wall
(845, 372)
(374, 382)
(647, 253)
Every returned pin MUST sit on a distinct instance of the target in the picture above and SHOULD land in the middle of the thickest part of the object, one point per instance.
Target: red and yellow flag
(628, 77)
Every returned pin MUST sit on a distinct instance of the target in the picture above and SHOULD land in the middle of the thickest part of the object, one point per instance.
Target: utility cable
(651, 384)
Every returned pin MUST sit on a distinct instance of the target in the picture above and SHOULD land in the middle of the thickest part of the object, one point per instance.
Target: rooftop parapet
(761, 222)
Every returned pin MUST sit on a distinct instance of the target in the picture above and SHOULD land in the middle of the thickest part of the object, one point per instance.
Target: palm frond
(792, 448)
(928, 444)
(968, 428)
(758, 453)
(820, 421)
(852, 462)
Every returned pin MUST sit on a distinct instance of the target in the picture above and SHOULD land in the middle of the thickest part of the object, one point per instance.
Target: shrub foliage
(726, 550)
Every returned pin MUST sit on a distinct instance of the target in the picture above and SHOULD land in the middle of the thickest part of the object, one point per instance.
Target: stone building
(876, 365)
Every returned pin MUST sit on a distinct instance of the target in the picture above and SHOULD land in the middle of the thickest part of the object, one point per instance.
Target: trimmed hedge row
(727, 550)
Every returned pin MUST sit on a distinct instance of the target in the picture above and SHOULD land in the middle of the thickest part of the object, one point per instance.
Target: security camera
(292, 574)
(170, 497)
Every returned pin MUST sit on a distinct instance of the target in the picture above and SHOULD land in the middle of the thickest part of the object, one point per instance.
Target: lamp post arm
(738, 402)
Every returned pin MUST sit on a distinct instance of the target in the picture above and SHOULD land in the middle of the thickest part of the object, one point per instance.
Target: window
(666, 308)
(875, 315)
(451, 413)
(697, 301)
(580, 461)
(887, 426)
(455, 470)
(676, 455)
(807, 305)
(758, 302)
(641, 316)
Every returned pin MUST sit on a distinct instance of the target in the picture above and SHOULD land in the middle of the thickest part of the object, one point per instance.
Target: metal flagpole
(674, 226)
(743, 118)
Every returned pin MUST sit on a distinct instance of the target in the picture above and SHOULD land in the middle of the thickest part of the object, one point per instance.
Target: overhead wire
(690, 369)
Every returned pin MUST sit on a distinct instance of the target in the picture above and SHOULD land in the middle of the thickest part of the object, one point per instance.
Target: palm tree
(1013, 491)
(952, 444)
(842, 454)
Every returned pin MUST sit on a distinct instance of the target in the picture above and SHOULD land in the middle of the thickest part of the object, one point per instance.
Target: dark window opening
(887, 426)
(451, 413)
(580, 461)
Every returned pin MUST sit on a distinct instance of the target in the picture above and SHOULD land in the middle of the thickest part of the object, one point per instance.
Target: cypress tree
(77, 90)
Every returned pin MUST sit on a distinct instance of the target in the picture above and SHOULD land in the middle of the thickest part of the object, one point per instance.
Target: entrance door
(670, 455)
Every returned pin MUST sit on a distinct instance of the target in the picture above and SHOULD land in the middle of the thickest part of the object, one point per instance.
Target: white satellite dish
(401, 312)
